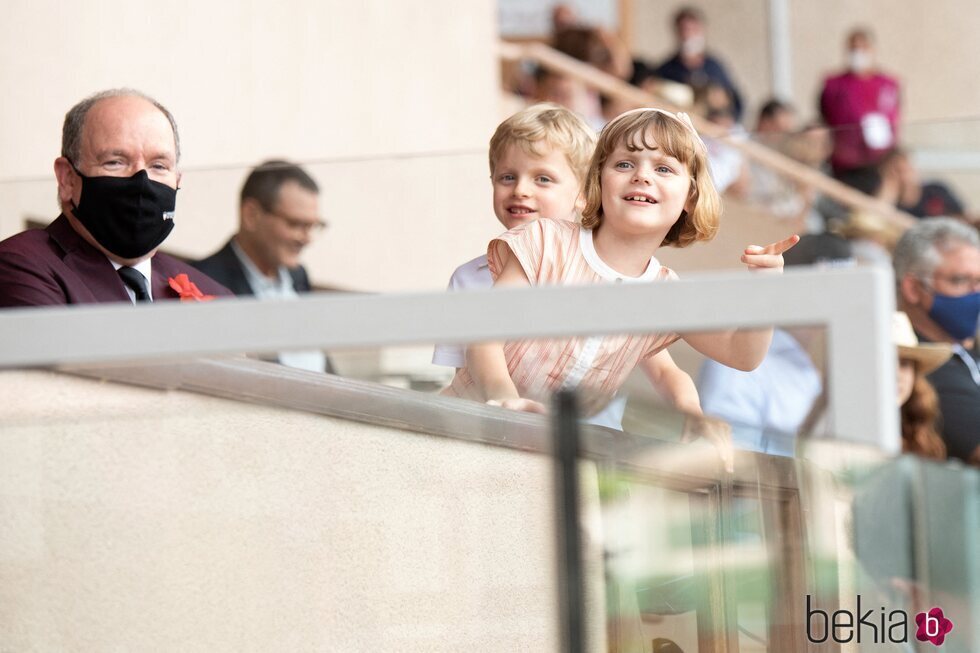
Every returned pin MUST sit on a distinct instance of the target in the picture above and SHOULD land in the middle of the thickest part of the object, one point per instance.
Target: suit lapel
(93, 269)
(238, 282)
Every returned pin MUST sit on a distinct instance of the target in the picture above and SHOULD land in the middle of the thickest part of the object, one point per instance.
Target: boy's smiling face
(527, 187)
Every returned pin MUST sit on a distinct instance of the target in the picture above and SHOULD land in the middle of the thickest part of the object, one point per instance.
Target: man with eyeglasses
(937, 269)
(279, 213)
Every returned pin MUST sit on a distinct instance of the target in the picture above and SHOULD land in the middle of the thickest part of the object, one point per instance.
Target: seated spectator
(776, 128)
(902, 186)
(692, 64)
(729, 169)
(598, 48)
(278, 212)
(861, 105)
(117, 180)
(776, 120)
(570, 93)
(937, 269)
(916, 397)
(872, 237)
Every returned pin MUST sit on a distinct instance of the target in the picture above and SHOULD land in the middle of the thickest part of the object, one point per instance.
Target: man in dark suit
(279, 212)
(937, 271)
(117, 185)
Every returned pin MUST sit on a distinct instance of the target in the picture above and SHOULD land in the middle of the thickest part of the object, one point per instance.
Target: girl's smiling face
(644, 190)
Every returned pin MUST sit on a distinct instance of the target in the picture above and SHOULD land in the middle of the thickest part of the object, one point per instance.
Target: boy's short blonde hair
(675, 139)
(550, 124)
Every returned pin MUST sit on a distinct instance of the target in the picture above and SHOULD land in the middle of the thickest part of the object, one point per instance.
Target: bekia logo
(874, 625)
(933, 626)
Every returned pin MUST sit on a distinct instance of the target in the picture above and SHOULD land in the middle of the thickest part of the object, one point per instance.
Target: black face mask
(129, 216)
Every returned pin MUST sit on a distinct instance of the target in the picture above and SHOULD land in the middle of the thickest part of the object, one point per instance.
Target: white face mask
(859, 60)
(693, 45)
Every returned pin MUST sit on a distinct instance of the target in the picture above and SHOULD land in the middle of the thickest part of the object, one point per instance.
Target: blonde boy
(538, 161)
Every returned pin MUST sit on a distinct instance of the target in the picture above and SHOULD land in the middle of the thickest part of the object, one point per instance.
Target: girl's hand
(525, 405)
(769, 257)
(716, 433)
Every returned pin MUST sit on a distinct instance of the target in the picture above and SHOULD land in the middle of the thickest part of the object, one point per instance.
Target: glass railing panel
(912, 527)
(769, 556)
(708, 554)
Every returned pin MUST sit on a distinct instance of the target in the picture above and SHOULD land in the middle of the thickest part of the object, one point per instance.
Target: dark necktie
(136, 282)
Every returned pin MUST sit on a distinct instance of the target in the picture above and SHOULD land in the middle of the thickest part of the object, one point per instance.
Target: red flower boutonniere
(188, 291)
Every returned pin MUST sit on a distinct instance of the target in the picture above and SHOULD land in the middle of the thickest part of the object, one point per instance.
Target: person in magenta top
(861, 106)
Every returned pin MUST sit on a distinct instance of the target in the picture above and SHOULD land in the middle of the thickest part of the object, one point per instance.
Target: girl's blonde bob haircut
(650, 129)
(551, 125)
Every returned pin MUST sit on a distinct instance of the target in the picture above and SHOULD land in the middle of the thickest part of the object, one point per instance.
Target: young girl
(648, 185)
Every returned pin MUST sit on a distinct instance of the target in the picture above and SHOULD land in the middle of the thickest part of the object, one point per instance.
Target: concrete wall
(929, 46)
(392, 85)
(145, 520)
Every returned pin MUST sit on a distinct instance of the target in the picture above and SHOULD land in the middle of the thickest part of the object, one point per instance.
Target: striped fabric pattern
(554, 252)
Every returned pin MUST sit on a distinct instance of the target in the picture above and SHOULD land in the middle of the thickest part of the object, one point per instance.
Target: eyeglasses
(296, 224)
(956, 282)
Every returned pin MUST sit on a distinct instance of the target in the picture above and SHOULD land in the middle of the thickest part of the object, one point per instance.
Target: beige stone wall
(143, 520)
(929, 46)
(384, 87)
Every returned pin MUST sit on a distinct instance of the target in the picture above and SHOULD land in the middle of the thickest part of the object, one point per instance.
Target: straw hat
(927, 356)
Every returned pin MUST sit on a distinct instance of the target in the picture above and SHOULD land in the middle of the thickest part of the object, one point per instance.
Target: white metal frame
(855, 305)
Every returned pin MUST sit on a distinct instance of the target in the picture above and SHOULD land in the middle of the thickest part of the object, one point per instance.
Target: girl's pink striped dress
(555, 252)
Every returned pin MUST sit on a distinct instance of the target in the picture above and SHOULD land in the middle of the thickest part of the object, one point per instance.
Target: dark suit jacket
(55, 265)
(224, 267)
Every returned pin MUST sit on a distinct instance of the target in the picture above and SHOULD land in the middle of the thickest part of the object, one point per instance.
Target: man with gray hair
(937, 270)
(117, 187)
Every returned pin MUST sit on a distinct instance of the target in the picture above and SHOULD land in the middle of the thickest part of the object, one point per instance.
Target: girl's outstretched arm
(486, 362)
(744, 349)
(672, 383)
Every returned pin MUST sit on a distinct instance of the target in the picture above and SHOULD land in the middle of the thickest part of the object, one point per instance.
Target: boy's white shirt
(470, 275)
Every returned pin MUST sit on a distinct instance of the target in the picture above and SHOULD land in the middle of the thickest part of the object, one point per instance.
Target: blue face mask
(956, 315)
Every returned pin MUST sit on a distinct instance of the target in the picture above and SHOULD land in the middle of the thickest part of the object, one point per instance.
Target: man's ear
(250, 213)
(911, 290)
(68, 181)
